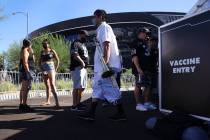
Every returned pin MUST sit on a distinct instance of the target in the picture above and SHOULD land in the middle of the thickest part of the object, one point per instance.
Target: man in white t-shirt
(104, 88)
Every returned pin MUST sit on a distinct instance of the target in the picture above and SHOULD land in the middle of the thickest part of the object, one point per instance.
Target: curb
(42, 94)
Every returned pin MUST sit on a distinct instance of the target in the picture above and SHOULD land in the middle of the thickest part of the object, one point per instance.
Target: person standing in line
(46, 62)
(26, 68)
(107, 53)
(143, 67)
(78, 67)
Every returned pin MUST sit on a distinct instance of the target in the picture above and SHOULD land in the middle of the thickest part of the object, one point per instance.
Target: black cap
(144, 30)
(85, 32)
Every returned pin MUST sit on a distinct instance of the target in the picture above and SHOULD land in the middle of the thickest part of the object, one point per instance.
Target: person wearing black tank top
(26, 69)
(49, 69)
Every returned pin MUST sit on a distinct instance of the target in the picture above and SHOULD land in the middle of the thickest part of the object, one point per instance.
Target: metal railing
(10, 82)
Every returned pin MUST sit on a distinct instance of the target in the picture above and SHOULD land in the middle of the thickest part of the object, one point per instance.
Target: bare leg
(53, 87)
(75, 94)
(48, 90)
(21, 94)
(79, 95)
(24, 92)
(147, 94)
(137, 93)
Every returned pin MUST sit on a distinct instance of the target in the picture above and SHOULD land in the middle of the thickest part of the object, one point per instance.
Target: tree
(1, 61)
(12, 56)
(59, 44)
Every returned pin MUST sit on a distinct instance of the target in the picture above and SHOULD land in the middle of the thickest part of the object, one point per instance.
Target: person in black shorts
(144, 66)
(26, 71)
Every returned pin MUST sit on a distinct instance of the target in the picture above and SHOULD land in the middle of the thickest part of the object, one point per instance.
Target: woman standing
(47, 65)
(26, 68)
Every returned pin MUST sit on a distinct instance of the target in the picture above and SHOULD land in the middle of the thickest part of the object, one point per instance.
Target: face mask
(94, 22)
(45, 46)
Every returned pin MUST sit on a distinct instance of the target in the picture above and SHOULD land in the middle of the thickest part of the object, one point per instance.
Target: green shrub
(8, 86)
(38, 86)
(64, 85)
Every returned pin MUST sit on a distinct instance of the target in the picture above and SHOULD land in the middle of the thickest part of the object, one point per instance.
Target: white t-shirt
(105, 33)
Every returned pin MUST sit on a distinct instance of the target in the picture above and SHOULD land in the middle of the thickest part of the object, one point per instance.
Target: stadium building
(125, 26)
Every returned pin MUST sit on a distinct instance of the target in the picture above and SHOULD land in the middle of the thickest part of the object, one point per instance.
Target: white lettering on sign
(184, 65)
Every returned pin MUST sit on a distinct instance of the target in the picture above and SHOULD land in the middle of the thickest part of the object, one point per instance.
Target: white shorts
(103, 89)
(79, 78)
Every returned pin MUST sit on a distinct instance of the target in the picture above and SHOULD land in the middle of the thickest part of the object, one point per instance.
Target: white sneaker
(150, 106)
(141, 107)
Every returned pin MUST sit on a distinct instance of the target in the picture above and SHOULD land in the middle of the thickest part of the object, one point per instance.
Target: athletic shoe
(21, 107)
(118, 117)
(77, 108)
(141, 107)
(25, 108)
(83, 106)
(87, 117)
(150, 106)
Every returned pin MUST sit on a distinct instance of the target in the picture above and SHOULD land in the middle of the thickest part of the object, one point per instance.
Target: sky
(45, 12)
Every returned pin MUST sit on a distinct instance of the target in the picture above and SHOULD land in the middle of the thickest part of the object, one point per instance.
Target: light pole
(25, 14)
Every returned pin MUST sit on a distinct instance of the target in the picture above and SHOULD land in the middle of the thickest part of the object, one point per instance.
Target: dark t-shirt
(147, 57)
(79, 48)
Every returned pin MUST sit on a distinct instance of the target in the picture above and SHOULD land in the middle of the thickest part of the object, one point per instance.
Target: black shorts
(147, 80)
(25, 77)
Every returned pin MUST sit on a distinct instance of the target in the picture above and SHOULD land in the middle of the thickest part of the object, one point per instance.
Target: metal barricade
(10, 82)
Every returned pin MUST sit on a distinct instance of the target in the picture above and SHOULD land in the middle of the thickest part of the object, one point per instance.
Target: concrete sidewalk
(47, 123)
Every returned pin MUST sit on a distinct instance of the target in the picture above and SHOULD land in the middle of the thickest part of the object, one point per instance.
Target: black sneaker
(77, 108)
(87, 117)
(118, 117)
(21, 107)
(83, 106)
(26, 108)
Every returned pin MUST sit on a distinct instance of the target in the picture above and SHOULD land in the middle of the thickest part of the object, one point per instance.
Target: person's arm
(32, 53)
(40, 61)
(25, 60)
(106, 38)
(106, 51)
(137, 65)
(79, 59)
(135, 59)
(57, 59)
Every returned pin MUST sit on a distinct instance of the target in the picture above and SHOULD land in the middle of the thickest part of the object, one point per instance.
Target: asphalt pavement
(47, 123)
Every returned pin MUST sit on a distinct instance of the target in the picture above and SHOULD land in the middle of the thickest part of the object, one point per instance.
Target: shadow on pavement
(47, 123)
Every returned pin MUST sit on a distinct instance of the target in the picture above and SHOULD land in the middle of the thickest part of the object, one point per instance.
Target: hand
(105, 60)
(56, 69)
(140, 72)
(82, 64)
(29, 75)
